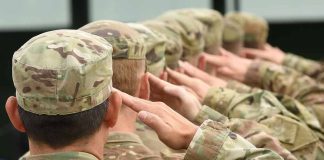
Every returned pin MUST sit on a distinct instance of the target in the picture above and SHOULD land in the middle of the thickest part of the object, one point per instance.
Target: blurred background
(295, 25)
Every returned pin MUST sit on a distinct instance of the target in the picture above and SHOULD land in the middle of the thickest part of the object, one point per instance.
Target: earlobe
(144, 87)
(202, 62)
(13, 114)
(115, 103)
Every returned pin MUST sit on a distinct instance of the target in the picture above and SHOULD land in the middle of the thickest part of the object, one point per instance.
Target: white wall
(284, 10)
(34, 14)
(137, 10)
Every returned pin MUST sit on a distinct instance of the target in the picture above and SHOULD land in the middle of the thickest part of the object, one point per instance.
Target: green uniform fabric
(289, 82)
(49, 72)
(264, 108)
(306, 66)
(60, 156)
(212, 141)
(127, 42)
(155, 46)
(255, 28)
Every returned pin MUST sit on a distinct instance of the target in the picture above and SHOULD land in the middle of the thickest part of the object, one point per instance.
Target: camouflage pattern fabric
(156, 45)
(255, 28)
(123, 145)
(265, 109)
(233, 37)
(214, 141)
(49, 72)
(191, 31)
(60, 156)
(127, 43)
(212, 20)
(174, 49)
(257, 134)
(308, 67)
(289, 82)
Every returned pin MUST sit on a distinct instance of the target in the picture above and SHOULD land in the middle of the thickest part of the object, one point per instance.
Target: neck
(126, 121)
(93, 145)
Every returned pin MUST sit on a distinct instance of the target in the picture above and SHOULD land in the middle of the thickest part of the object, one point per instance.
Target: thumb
(153, 121)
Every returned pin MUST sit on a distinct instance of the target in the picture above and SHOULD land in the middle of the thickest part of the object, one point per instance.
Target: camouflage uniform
(60, 156)
(155, 44)
(127, 146)
(233, 37)
(287, 81)
(174, 49)
(49, 76)
(255, 28)
(308, 67)
(266, 109)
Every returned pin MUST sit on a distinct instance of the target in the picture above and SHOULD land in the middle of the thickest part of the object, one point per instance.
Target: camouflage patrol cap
(191, 31)
(127, 43)
(155, 44)
(62, 72)
(233, 36)
(211, 19)
(174, 49)
(255, 28)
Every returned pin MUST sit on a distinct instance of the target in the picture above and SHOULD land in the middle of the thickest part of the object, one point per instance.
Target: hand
(192, 71)
(173, 129)
(272, 54)
(228, 65)
(178, 98)
(196, 85)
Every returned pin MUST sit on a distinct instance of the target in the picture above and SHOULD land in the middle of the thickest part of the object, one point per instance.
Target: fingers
(155, 82)
(215, 60)
(174, 91)
(179, 78)
(134, 103)
(153, 121)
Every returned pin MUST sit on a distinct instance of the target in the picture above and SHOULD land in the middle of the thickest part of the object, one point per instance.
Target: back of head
(233, 37)
(128, 52)
(191, 31)
(255, 28)
(156, 45)
(173, 50)
(212, 20)
(61, 78)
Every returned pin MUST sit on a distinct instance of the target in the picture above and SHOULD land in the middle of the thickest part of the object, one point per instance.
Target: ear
(164, 76)
(144, 92)
(201, 62)
(114, 106)
(13, 114)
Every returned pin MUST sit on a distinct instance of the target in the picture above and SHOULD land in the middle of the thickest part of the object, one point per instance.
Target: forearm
(214, 141)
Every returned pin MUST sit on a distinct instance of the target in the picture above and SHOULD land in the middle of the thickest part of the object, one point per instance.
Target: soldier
(126, 145)
(63, 81)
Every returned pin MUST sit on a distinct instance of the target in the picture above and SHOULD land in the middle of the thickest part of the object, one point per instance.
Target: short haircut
(58, 131)
(127, 74)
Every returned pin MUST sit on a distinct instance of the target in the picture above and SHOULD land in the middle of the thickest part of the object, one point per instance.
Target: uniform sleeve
(206, 113)
(287, 81)
(306, 66)
(241, 87)
(219, 99)
(214, 141)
